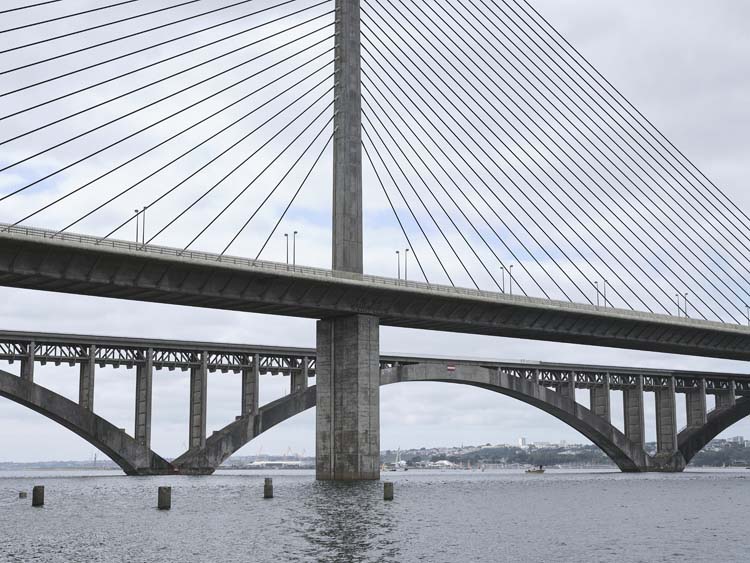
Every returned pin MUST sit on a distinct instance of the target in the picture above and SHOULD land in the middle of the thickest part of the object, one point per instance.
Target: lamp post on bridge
(294, 249)
(398, 260)
(510, 278)
(502, 269)
(137, 220)
(406, 265)
(286, 238)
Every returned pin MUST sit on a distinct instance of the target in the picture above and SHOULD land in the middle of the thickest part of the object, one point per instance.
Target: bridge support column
(299, 378)
(250, 387)
(695, 405)
(666, 419)
(198, 391)
(348, 399)
(632, 400)
(725, 399)
(27, 364)
(568, 388)
(86, 381)
(599, 402)
(143, 385)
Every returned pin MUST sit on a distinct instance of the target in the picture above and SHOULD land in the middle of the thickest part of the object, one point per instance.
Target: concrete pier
(666, 419)
(164, 498)
(198, 402)
(695, 406)
(599, 400)
(348, 399)
(632, 400)
(86, 380)
(143, 390)
(299, 379)
(251, 387)
(568, 388)
(268, 488)
(388, 490)
(27, 364)
(725, 398)
(37, 495)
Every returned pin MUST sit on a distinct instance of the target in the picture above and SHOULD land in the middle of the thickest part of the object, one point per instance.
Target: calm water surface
(436, 517)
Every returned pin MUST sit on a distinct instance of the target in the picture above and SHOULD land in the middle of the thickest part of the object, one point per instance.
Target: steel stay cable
(110, 41)
(526, 140)
(640, 122)
(632, 195)
(256, 151)
(504, 173)
(618, 134)
(304, 180)
(393, 208)
(102, 149)
(471, 184)
(214, 159)
(168, 96)
(576, 176)
(411, 211)
(207, 139)
(268, 196)
(29, 6)
(263, 171)
(66, 16)
(419, 198)
(600, 175)
(395, 143)
(153, 64)
(442, 168)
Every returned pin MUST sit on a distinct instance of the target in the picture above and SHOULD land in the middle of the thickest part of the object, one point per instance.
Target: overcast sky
(684, 63)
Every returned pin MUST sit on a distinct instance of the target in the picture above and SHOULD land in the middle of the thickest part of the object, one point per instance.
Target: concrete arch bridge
(549, 387)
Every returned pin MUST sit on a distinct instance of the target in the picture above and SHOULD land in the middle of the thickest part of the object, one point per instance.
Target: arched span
(223, 443)
(133, 458)
(692, 440)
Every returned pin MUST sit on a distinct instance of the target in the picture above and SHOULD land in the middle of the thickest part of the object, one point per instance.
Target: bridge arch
(133, 458)
(692, 440)
(223, 443)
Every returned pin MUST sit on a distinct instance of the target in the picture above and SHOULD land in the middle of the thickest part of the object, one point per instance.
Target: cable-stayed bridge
(529, 196)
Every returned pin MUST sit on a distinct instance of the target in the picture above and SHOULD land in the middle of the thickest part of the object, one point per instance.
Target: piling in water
(388, 490)
(268, 488)
(37, 496)
(165, 498)
(23, 494)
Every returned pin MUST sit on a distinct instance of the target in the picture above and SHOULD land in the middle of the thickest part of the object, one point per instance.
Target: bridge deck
(34, 259)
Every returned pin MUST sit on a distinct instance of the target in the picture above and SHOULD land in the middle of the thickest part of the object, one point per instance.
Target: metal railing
(313, 272)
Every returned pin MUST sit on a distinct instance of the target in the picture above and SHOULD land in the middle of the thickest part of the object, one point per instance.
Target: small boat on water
(536, 470)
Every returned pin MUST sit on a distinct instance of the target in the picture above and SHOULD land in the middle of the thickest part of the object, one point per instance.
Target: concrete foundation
(348, 399)
(599, 400)
(86, 380)
(143, 387)
(632, 400)
(198, 392)
(666, 419)
(695, 406)
(251, 387)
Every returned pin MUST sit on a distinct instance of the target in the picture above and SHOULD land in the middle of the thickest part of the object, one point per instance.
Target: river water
(436, 517)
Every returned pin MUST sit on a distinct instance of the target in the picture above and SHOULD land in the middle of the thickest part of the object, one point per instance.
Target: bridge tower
(348, 347)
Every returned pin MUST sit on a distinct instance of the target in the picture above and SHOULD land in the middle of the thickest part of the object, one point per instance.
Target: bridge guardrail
(368, 278)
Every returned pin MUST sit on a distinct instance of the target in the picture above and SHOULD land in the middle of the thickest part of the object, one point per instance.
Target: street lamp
(502, 269)
(510, 275)
(137, 220)
(686, 304)
(294, 249)
(406, 264)
(679, 310)
(596, 283)
(286, 237)
(398, 259)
